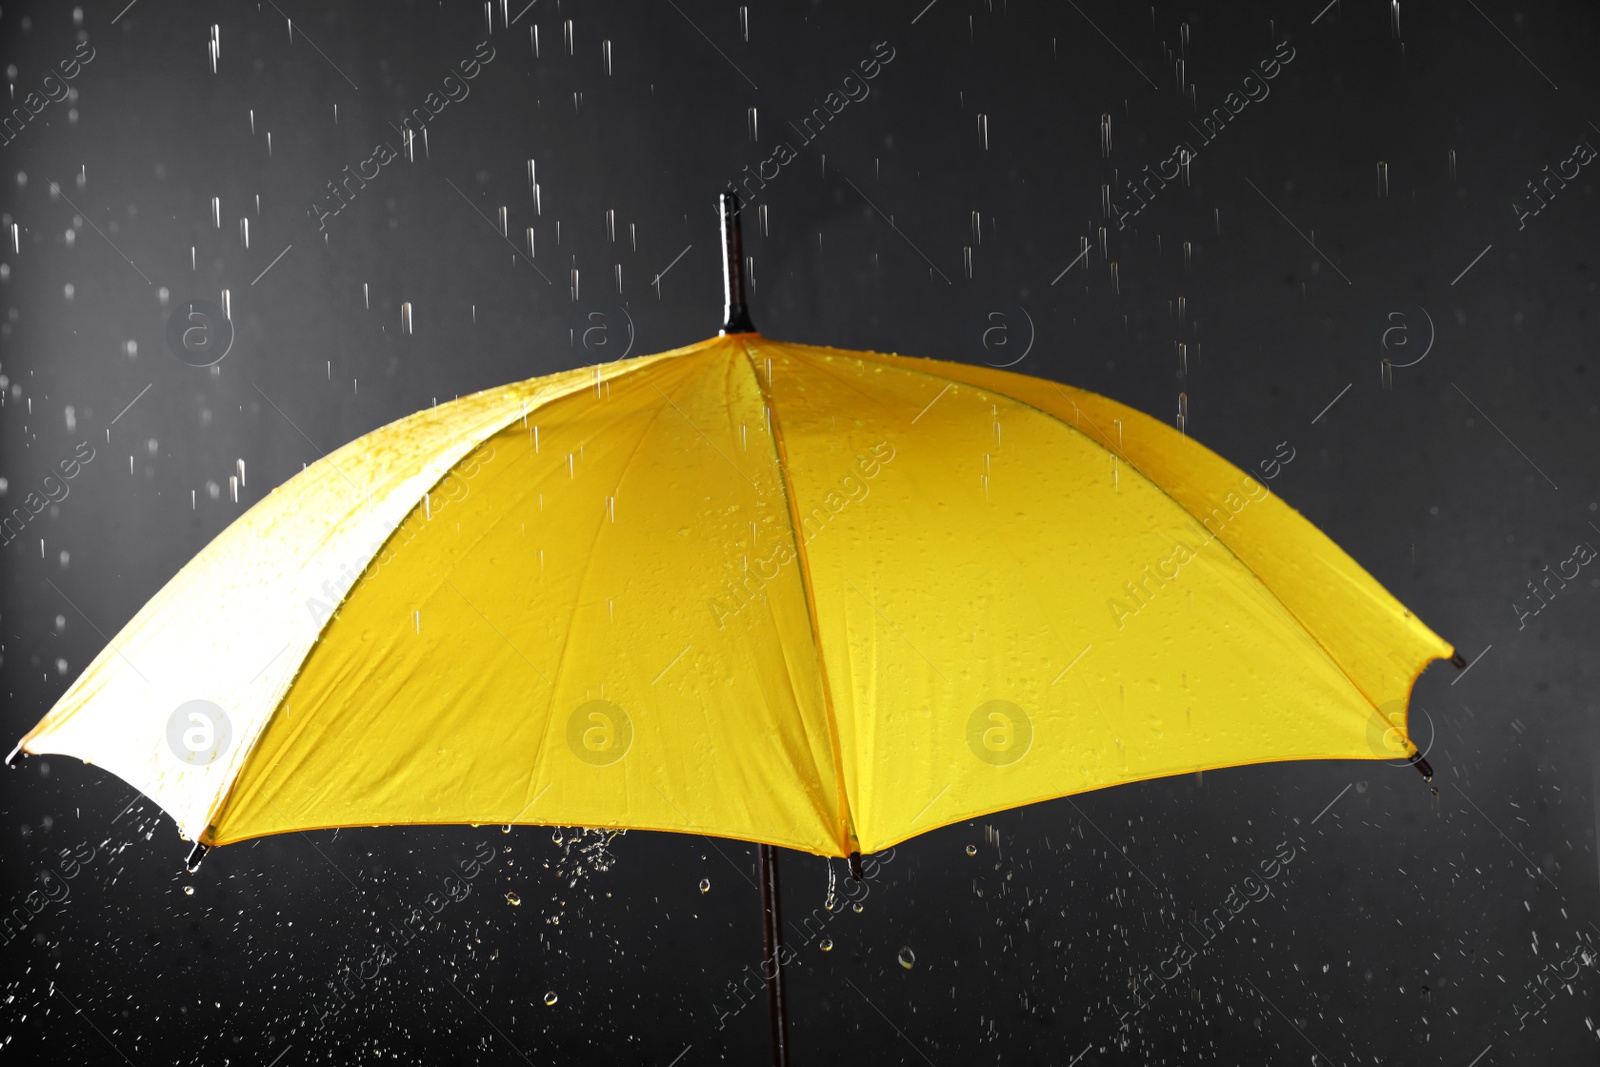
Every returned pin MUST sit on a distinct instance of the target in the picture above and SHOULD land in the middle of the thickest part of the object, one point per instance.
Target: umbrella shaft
(735, 316)
(772, 963)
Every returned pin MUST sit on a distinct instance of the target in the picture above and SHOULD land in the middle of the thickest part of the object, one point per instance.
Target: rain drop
(705, 885)
(826, 944)
(550, 999)
(514, 900)
(188, 890)
(908, 959)
(972, 850)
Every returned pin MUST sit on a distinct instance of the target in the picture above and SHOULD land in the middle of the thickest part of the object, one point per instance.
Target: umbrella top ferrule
(735, 316)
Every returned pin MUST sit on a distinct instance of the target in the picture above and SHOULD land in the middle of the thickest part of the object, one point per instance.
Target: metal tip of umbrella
(196, 854)
(735, 315)
(15, 757)
(1458, 661)
(855, 866)
(1423, 767)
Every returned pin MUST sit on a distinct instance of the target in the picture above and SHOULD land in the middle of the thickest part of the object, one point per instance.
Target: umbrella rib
(846, 383)
(1274, 602)
(807, 587)
(588, 563)
(702, 433)
(1271, 597)
(889, 623)
(1289, 614)
(1106, 438)
(494, 426)
(1282, 608)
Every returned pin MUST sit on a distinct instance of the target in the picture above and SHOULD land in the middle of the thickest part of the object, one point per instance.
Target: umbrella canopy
(801, 596)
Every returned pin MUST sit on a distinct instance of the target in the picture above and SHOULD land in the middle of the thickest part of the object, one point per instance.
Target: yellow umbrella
(801, 596)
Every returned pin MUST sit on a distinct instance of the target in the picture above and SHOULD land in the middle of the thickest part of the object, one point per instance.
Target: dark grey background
(1407, 928)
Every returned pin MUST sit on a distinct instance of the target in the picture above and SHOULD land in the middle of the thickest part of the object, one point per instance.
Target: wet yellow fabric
(820, 599)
